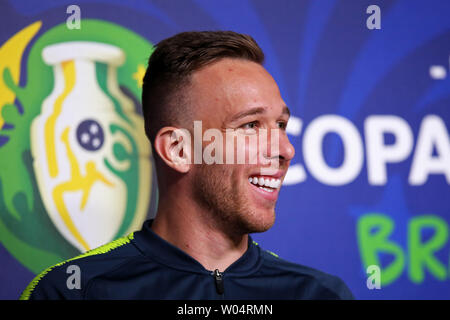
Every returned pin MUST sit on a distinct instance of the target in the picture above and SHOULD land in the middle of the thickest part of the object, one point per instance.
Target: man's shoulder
(69, 279)
(310, 283)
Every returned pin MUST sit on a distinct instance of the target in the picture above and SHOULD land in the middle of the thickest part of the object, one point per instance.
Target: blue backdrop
(369, 184)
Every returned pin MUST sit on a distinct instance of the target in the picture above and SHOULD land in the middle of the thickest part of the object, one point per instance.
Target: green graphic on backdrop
(374, 233)
(26, 229)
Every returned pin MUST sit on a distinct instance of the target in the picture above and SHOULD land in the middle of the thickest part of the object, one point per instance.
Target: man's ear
(173, 146)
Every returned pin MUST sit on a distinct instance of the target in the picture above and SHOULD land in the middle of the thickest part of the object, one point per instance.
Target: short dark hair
(174, 60)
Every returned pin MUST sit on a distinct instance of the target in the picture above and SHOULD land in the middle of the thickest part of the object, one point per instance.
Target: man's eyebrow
(253, 111)
(246, 113)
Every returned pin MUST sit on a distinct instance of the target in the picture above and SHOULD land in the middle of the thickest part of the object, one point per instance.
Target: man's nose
(279, 146)
(287, 150)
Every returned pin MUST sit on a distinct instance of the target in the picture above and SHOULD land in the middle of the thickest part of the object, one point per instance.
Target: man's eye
(282, 125)
(250, 125)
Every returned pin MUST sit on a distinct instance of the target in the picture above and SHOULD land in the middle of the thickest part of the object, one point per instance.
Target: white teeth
(271, 183)
(261, 181)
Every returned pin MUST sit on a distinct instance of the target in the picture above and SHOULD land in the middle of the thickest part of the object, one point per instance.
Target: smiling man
(198, 246)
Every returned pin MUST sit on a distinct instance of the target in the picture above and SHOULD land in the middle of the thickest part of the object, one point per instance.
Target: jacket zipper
(218, 278)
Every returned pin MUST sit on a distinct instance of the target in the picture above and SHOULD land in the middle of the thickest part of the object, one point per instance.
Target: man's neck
(184, 225)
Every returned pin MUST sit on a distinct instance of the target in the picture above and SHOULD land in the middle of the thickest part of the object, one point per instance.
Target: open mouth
(265, 183)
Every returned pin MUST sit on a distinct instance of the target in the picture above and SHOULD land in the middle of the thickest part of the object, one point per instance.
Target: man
(198, 246)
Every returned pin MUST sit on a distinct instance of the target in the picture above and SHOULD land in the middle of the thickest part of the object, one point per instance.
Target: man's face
(239, 95)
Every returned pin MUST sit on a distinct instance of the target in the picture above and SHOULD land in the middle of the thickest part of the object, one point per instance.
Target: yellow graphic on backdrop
(139, 75)
(10, 57)
(77, 182)
(69, 81)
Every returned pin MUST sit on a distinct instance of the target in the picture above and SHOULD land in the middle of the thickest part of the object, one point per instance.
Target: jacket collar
(158, 249)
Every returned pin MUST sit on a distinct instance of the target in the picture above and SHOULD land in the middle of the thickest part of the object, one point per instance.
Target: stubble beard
(226, 204)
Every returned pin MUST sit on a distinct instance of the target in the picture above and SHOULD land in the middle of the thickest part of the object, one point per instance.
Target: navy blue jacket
(144, 266)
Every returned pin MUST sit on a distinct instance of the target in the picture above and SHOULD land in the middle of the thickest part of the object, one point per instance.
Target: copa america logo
(72, 142)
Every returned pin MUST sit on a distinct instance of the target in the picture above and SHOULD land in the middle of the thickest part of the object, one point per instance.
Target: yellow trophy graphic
(91, 157)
